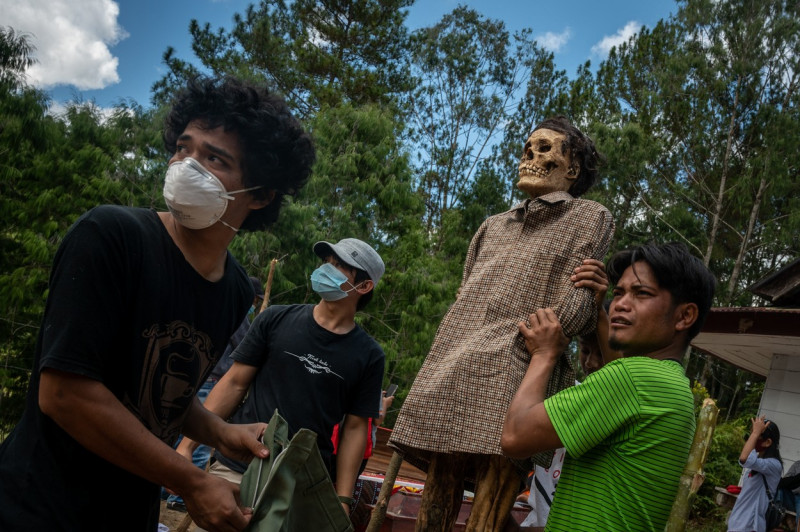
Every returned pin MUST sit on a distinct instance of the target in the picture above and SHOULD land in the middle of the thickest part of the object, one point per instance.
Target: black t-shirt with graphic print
(311, 375)
(125, 308)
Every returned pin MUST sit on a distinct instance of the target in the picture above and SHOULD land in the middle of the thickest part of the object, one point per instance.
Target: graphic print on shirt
(170, 377)
(314, 365)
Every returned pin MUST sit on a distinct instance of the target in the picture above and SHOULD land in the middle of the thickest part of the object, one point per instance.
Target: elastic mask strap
(226, 224)
(231, 198)
(354, 287)
(228, 195)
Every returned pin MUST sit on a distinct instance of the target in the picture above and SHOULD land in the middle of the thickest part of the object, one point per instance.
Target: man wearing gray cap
(311, 362)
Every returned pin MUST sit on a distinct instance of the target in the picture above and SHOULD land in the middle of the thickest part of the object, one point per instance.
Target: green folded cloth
(290, 490)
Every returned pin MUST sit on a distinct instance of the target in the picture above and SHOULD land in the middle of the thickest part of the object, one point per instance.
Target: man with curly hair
(141, 305)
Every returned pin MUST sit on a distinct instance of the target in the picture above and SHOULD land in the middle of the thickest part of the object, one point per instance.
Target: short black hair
(278, 153)
(679, 272)
(581, 149)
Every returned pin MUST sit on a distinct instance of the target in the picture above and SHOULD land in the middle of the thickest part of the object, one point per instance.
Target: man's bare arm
(93, 416)
(527, 428)
(352, 444)
(222, 400)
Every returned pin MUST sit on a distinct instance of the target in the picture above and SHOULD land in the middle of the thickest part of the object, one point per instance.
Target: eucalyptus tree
(741, 143)
(15, 57)
(466, 77)
(746, 64)
(316, 53)
(633, 86)
(699, 120)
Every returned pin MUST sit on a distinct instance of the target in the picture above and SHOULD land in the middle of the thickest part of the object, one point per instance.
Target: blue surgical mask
(327, 281)
(251, 312)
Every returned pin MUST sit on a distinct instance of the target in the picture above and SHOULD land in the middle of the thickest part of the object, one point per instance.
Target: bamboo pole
(693, 476)
(379, 512)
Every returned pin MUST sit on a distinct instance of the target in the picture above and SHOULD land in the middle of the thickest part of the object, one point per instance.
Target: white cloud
(72, 39)
(553, 42)
(605, 45)
(59, 110)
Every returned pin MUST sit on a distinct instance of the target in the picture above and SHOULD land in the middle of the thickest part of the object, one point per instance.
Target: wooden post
(379, 512)
(268, 287)
(693, 475)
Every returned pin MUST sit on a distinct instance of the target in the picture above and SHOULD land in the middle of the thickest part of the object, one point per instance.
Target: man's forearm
(201, 426)
(352, 444)
(531, 394)
(205, 420)
(527, 428)
(93, 416)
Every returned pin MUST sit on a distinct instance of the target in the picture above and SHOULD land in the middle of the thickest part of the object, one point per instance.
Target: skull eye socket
(541, 146)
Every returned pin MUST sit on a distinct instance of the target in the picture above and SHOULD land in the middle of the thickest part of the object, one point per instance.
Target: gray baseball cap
(356, 253)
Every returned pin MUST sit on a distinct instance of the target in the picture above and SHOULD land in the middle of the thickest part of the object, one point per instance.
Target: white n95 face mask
(196, 198)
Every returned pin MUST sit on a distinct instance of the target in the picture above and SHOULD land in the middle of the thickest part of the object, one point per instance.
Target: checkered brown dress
(518, 261)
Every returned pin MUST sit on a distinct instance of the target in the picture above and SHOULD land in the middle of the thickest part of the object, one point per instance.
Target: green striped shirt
(627, 430)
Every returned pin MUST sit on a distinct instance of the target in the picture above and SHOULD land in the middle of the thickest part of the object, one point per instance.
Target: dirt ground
(171, 518)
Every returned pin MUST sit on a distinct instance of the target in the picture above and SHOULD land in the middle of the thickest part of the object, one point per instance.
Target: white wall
(781, 403)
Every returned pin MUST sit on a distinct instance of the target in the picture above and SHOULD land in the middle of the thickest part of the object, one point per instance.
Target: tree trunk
(712, 237)
(733, 399)
(737, 267)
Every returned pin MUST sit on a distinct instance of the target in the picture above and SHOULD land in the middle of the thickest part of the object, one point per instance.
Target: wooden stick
(379, 512)
(268, 287)
(184, 524)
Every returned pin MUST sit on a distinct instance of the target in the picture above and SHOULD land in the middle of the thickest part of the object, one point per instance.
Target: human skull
(544, 167)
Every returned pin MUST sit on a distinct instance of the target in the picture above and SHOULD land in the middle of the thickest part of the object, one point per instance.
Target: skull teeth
(532, 171)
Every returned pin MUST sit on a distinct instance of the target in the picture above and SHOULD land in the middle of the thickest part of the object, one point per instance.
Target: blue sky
(108, 51)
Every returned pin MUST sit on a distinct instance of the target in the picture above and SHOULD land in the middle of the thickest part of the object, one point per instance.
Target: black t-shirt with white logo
(311, 375)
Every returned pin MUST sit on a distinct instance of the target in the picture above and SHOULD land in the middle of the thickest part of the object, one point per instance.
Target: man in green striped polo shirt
(628, 428)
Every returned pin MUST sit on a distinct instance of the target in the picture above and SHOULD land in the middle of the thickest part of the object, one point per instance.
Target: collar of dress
(549, 199)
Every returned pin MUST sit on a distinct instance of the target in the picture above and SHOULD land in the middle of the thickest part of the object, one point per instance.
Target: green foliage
(15, 57)
(52, 169)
